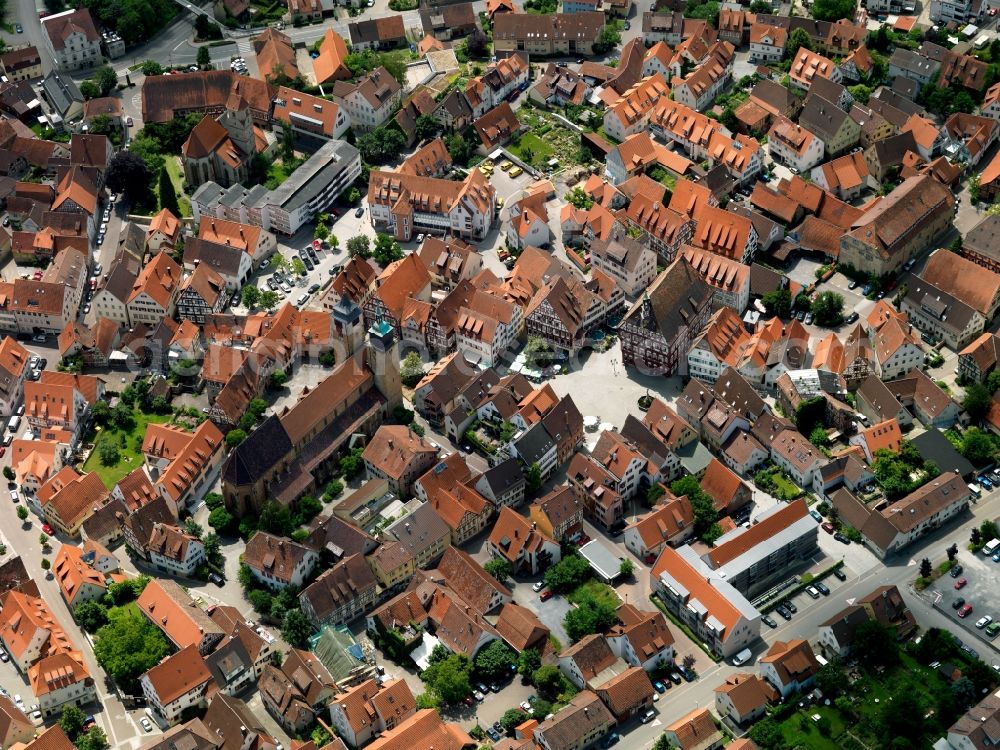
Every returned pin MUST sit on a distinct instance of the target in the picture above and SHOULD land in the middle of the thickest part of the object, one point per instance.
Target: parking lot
(982, 577)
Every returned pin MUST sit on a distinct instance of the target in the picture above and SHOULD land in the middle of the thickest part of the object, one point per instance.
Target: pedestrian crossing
(245, 47)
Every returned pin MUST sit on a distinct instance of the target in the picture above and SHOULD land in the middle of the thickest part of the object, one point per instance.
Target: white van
(742, 657)
(14, 423)
(976, 490)
(991, 547)
(301, 300)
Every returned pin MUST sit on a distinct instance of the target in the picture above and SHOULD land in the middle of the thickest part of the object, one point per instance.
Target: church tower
(239, 125)
(348, 326)
(383, 360)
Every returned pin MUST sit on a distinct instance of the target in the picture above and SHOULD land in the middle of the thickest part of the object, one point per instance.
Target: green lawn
(787, 489)
(130, 454)
(547, 137)
(177, 177)
(597, 591)
(799, 729)
(541, 151)
(278, 172)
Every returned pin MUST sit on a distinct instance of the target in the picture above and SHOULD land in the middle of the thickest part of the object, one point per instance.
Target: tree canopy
(449, 676)
(706, 517)
(129, 646)
(568, 573)
(493, 661)
(833, 10)
(828, 309)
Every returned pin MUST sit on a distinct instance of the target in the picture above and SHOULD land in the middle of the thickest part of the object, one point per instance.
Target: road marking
(179, 44)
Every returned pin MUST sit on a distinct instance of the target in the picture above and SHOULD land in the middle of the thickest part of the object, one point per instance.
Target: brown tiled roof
(625, 692)
(793, 661)
(521, 628)
(61, 26)
(172, 610)
(758, 533)
(425, 729)
(275, 556)
(695, 730)
(164, 97)
(177, 675)
(394, 447)
(748, 692)
(466, 577)
(343, 583)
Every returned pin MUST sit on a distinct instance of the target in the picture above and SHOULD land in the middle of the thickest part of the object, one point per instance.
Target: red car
(828, 527)
(2, 451)
(965, 610)
(648, 559)
(545, 595)
(48, 529)
(960, 583)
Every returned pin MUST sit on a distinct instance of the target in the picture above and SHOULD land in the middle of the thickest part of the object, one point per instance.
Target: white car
(19, 702)
(525, 706)
(536, 587)
(983, 621)
(147, 725)
(14, 498)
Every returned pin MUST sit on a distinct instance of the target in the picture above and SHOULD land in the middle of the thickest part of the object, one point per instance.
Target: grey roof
(822, 117)
(340, 538)
(255, 456)
(906, 87)
(534, 444)
(318, 172)
(122, 275)
(229, 659)
(419, 530)
(890, 151)
(984, 238)
(934, 446)
(888, 96)
(950, 313)
(913, 63)
(503, 477)
(223, 259)
(209, 192)
(694, 457)
(132, 240)
(778, 96)
(61, 92)
(737, 391)
(879, 397)
(829, 90)
(601, 559)
(674, 299)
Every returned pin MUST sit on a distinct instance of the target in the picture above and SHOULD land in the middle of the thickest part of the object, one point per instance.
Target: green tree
(278, 379)
(977, 401)
(427, 700)
(352, 464)
(108, 453)
(549, 681)
(874, 645)
(221, 519)
(106, 80)
(705, 516)
(833, 10)
(626, 568)
(411, 370)
(250, 296)
(579, 199)
(151, 68)
(100, 413)
(360, 246)
(204, 57)
(977, 446)
(589, 616)
(321, 232)
(9, 474)
(46, 563)
(828, 309)
(512, 717)
(275, 519)
(72, 720)
(129, 646)
(298, 267)
(268, 299)
(778, 302)
(22, 513)
(809, 414)
(235, 437)
(92, 616)
(568, 573)
(90, 90)
(386, 250)
(832, 678)
(449, 678)
(499, 569)
(309, 508)
(534, 478)
(528, 662)
(459, 148)
(381, 145)
(796, 40)
(974, 188)
(494, 660)
(964, 692)
(296, 629)
(426, 127)
(127, 172)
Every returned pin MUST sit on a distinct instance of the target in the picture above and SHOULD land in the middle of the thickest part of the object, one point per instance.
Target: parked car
(611, 739)
(147, 726)
(649, 715)
(675, 678)
(822, 588)
(840, 575)
(783, 612)
(956, 571)
(852, 284)
(790, 606)
(769, 621)
(525, 706)
(538, 586)
(217, 579)
(811, 590)
(983, 621)
(493, 734)
(659, 686)
(828, 527)
(360, 212)
(992, 629)
(545, 595)
(965, 610)
(959, 602)
(816, 515)
(841, 538)
(960, 583)
(48, 529)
